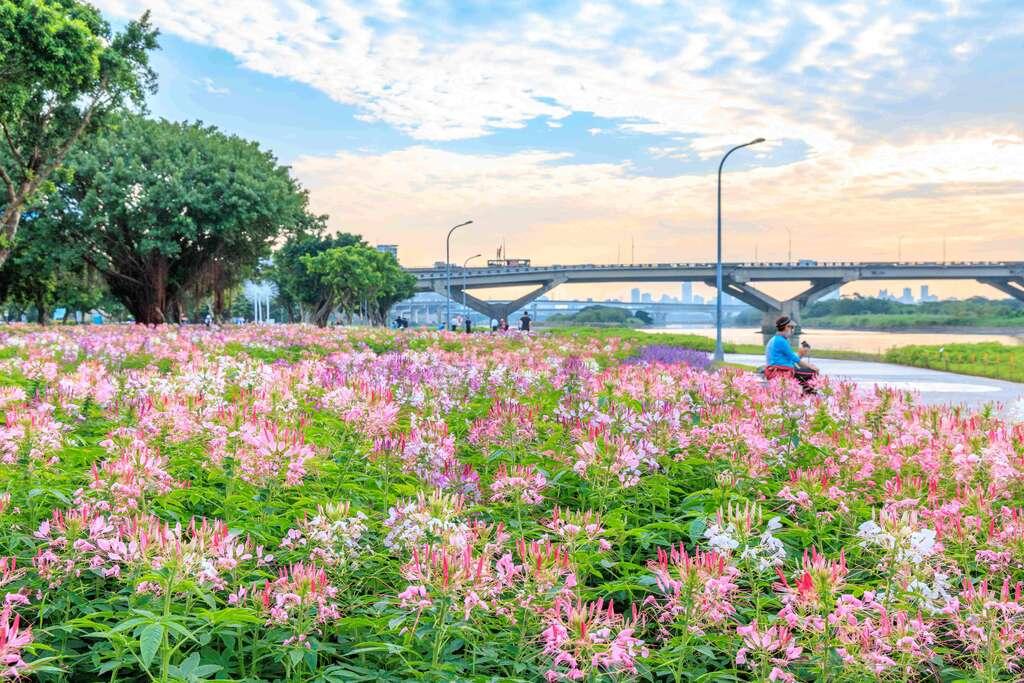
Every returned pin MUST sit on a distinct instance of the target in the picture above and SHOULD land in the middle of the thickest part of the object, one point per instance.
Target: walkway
(934, 386)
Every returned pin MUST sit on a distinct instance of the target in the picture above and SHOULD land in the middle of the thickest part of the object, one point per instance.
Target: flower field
(289, 504)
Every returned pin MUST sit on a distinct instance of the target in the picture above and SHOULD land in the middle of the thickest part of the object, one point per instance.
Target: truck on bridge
(507, 262)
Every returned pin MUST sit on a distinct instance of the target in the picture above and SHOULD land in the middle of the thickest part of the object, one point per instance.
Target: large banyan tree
(165, 211)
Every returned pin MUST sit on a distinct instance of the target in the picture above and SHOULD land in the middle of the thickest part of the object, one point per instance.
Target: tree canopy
(167, 212)
(63, 73)
(358, 279)
(43, 271)
(302, 294)
(599, 314)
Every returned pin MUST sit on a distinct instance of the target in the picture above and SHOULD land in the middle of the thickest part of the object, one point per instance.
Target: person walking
(524, 322)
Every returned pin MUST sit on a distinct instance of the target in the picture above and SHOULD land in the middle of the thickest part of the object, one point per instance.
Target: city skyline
(589, 132)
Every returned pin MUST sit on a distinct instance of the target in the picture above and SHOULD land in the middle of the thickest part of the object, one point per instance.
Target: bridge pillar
(496, 311)
(772, 308)
(1012, 286)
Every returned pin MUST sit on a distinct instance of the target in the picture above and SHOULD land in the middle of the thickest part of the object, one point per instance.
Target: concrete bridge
(432, 310)
(823, 278)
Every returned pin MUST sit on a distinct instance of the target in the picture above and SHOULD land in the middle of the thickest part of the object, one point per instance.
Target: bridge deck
(848, 271)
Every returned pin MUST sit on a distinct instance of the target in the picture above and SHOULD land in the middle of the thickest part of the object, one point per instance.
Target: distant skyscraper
(634, 295)
(698, 299)
(646, 298)
(908, 296)
(666, 299)
(389, 249)
(687, 292)
(926, 295)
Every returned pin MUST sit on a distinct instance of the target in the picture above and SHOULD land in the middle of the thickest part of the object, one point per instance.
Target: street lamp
(719, 352)
(464, 264)
(448, 275)
(899, 249)
(789, 254)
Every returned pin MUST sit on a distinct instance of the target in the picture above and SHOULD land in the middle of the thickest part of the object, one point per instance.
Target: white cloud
(662, 70)
(209, 86)
(554, 210)
(668, 152)
(691, 70)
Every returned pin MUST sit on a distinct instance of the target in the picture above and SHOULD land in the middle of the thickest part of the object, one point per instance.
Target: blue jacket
(779, 352)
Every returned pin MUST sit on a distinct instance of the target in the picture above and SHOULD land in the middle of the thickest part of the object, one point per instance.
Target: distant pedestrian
(524, 322)
(502, 325)
(469, 325)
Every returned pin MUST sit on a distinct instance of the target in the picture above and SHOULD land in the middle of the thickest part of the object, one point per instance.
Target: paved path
(934, 386)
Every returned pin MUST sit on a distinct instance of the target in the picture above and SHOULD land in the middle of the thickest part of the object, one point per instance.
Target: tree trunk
(9, 222)
(320, 316)
(218, 304)
(145, 293)
(41, 309)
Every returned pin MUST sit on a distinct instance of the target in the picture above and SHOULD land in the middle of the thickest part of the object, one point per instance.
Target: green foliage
(63, 72)
(358, 278)
(988, 359)
(602, 315)
(644, 317)
(185, 210)
(885, 314)
(301, 292)
(43, 272)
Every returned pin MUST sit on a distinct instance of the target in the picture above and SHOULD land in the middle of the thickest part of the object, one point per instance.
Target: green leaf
(149, 642)
(206, 670)
(188, 666)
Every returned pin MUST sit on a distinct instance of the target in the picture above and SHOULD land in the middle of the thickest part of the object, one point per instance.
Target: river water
(845, 340)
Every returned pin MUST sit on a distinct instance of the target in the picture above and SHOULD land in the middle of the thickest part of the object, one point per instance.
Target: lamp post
(719, 352)
(464, 264)
(899, 249)
(789, 253)
(448, 276)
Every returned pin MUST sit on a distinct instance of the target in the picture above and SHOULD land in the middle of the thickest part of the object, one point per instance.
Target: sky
(590, 132)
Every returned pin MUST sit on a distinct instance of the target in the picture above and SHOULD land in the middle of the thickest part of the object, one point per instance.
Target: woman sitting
(782, 361)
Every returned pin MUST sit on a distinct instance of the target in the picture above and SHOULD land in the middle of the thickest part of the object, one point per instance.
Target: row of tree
(104, 207)
(604, 315)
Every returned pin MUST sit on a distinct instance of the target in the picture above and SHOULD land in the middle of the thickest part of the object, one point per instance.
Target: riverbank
(995, 361)
(895, 324)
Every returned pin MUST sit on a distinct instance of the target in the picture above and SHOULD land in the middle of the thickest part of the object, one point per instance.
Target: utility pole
(719, 351)
(448, 276)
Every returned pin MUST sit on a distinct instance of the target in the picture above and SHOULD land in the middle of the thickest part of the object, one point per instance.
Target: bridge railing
(751, 265)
